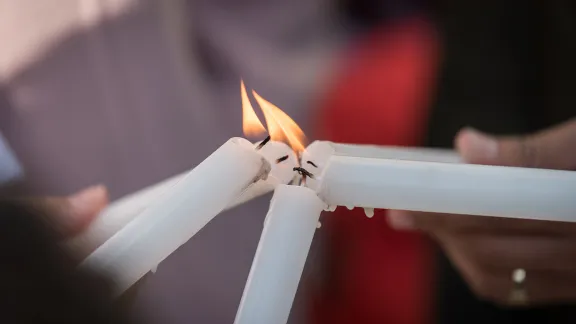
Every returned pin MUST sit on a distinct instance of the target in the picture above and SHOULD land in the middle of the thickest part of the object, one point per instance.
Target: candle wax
(121, 212)
(178, 214)
(433, 181)
(280, 257)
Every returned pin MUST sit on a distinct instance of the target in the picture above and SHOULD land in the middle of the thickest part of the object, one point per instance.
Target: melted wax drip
(369, 212)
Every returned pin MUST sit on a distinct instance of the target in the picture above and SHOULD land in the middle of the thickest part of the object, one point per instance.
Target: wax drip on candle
(318, 225)
(154, 269)
(331, 208)
(369, 212)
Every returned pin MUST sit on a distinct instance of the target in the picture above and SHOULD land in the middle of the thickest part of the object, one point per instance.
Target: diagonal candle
(126, 209)
(180, 213)
(433, 181)
(280, 257)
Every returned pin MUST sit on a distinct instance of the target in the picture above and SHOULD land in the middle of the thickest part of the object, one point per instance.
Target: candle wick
(264, 142)
(312, 164)
(303, 172)
(282, 159)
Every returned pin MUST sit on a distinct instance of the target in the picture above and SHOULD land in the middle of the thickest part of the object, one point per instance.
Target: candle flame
(281, 127)
(251, 124)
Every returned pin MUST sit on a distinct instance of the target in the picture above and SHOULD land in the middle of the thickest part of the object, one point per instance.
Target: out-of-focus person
(127, 93)
(39, 278)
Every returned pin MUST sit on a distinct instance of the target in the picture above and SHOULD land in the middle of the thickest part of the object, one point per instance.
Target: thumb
(401, 220)
(72, 214)
(553, 148)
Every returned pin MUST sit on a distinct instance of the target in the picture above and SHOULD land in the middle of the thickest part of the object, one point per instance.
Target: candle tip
(303, 172)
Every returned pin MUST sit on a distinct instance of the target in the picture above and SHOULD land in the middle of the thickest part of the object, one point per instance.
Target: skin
(72, 215)
(486, 250)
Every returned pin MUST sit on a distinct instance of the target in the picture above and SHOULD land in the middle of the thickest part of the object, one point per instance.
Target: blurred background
(129, 92)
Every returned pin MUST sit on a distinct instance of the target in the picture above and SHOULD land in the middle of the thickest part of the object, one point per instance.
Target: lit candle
(180, 213)
(433, 181)
(280, 257)
(126, 209)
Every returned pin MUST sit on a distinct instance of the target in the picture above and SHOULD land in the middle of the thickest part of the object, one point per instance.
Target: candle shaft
(126, 209)
(280, 257)
(394, 152)
(177, 215)
(432, 185)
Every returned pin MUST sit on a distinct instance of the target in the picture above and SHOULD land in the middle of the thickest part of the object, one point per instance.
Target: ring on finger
(519, 294)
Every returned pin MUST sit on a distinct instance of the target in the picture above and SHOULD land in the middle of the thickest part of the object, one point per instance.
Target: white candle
(123, 211)
(280, 257)
(180, 213)
(431, 181)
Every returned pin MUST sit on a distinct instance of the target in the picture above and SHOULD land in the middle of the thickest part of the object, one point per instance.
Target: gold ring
(518, 294)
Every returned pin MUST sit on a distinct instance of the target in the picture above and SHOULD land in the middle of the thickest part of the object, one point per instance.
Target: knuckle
(529, 152)
(520, 151)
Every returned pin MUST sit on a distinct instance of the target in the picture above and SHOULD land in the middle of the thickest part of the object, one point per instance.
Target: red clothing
(380, 275)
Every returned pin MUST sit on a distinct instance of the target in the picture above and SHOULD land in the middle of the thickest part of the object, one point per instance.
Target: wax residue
(369, 212)
(318, 225)
(350, 207)
(154, 269)
(330, 208)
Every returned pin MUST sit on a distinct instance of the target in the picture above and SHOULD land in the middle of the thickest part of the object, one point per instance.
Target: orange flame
(251, 125)
(281, 127)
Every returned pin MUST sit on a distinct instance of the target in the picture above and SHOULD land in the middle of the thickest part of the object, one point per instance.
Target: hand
(486, 250)
(72, 214)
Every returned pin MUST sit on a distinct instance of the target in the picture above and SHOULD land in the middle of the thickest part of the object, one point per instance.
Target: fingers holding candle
(70, 215)
(486, 250)
(552, 148)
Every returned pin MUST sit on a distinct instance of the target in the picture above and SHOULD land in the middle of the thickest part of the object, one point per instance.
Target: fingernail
(400, 220)
(87, 198)
(477, 147)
